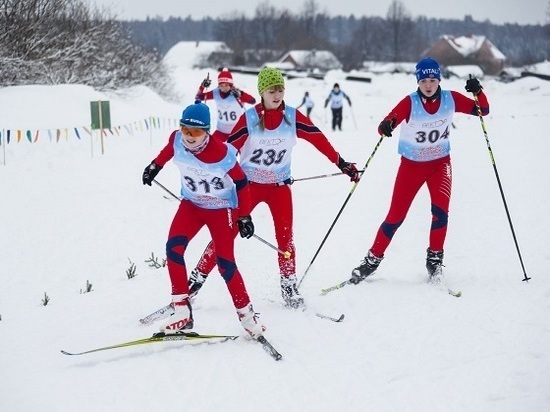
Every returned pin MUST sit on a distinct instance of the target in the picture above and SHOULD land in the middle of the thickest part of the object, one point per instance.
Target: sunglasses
(193, 131)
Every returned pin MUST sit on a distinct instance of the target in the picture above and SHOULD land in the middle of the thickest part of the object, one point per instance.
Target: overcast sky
(497, 11)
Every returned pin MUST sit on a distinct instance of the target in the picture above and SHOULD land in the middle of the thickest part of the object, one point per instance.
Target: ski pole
(478, 108)
(353, 117)
(286, 254)
(322, 176)
(341, 209)
(166, 189)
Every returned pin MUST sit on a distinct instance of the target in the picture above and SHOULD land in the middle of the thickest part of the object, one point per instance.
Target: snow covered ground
(70, 215)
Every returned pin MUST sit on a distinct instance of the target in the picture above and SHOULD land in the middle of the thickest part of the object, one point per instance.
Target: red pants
(221, 223)
(410, 177)
(279, 202)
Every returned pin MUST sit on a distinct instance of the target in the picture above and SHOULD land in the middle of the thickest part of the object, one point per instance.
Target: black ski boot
(434, 265)
(290, 293)
(366, 268)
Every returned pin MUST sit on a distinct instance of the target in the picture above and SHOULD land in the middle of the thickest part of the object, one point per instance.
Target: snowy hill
(69, 218)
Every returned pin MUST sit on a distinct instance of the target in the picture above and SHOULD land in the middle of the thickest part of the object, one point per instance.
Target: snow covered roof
(309, 59)
(467, 45)
(389, 67)
(279, 65)
(539, 68)
(464, 70)
(192, 54)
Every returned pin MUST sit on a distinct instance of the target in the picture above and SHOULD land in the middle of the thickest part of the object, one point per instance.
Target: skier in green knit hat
(265, 136)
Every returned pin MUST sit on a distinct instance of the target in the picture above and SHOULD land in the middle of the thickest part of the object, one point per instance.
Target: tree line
(68, 41)
(397, 37)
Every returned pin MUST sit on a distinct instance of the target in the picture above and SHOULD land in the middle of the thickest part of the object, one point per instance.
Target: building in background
(467, 50)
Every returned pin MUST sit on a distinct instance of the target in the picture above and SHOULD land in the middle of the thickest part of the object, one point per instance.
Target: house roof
(193, 53)
(467, 45)
(312, 58)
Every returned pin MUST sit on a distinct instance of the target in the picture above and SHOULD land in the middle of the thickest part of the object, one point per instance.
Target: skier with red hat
(229, 102)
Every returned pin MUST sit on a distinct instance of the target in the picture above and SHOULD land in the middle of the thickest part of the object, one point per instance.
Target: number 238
(267, 157)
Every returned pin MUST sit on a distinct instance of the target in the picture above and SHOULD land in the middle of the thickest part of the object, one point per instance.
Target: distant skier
(336, 99)
(424, 147)
(307, 102)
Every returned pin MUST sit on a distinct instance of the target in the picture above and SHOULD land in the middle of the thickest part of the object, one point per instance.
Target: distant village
(459, 56)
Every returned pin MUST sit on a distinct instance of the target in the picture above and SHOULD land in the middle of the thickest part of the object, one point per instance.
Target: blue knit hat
(196, 115)
(427, 68)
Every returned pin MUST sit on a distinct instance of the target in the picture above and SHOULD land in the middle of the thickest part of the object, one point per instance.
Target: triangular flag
(76, 133)
(57, 134)
(36, 136)
(8, 136)
(87, 130)
(19, 132)
(146, 124)
(50, 135)
(29, 136)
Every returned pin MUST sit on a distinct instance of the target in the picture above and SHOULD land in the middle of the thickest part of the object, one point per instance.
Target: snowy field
(72, 216)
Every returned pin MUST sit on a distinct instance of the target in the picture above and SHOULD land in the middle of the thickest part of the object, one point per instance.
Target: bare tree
(64, 41)
(401, 28)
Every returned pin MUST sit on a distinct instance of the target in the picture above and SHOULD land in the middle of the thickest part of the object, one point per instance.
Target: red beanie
(225, 76)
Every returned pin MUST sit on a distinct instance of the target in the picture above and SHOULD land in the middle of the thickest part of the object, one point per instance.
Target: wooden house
(467, 50)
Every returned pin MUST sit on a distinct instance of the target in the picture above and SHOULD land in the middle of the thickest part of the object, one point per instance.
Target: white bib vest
(266, 155)
(206, 184)
(425, 136)
(229, 111)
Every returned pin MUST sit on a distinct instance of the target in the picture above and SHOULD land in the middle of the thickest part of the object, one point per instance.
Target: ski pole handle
(286, 254)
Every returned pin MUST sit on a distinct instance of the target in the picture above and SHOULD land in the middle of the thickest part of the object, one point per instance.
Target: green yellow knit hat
(269, 77)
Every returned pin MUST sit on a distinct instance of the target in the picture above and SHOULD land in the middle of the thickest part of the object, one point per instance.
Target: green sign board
(101, 115)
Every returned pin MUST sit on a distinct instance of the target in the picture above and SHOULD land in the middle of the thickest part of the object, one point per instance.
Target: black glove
(236, 93)
(473, 86)
(348, 169)
(246, 227)
(386, 127)
(150, 172)
(206, 83)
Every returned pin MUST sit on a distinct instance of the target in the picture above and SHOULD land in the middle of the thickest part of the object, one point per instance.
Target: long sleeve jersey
(305, 129)
(214, 152)
(463, 104)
